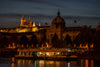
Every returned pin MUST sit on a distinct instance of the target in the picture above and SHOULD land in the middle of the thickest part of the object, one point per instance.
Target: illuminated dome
(58, 19)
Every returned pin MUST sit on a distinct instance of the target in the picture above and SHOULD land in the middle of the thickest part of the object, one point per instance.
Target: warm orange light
(91, 46)
(86, 63)
(80, 45)
(22, 45)
(39, 24)
(12, 65)
(42, 45)
(34, 24)
(32, 45)
(13, 59)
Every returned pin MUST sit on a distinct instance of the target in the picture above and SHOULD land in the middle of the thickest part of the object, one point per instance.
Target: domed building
(58, 21)
(57, 30)
(57, 27)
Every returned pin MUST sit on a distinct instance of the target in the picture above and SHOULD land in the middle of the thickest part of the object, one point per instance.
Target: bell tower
(22, 20)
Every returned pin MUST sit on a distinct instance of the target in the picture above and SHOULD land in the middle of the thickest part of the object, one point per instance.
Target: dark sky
(88, 8)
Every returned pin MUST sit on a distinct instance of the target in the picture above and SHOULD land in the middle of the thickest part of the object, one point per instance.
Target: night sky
(10, 10)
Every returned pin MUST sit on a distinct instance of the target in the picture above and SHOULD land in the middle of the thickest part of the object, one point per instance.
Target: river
(12, 62)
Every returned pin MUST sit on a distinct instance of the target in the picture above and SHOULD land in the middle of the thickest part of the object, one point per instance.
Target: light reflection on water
(45, 63)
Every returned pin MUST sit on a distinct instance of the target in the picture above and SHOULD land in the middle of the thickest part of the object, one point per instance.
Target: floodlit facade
(28, 29)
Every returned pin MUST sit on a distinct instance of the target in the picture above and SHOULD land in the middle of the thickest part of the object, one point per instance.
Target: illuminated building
(28, 29)
(24, 23)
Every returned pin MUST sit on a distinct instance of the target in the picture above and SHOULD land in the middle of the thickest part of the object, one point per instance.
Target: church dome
(58, 19)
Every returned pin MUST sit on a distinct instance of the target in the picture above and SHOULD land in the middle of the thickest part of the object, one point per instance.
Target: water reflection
(92, 63)
(86, 63)
(12, 65)
(35, 65)
(50, 63)
(68, 64)
(46, 63)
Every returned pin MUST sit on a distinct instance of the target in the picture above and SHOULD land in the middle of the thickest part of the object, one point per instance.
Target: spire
(23, 16)
(29, 18)
(33, 24)
(39, 24)
(58, 13)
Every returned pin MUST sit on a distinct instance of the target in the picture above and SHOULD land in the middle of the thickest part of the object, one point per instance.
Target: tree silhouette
(4, 42)
(55, 41)
(97, 41)
(34, 40)
(14, 39)
(43, 40)
(85, 35)
(97, 44)
(24, 40)
(76, 41)
(68, 40)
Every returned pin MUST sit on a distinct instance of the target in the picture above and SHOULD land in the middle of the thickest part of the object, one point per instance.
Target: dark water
(11, 62)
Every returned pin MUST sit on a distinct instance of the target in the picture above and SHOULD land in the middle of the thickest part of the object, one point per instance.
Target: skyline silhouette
(12, 10)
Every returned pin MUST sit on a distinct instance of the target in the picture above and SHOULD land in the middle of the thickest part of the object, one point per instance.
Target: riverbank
(5, 52)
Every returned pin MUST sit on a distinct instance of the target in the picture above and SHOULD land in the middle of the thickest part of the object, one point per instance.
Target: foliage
(34, 40)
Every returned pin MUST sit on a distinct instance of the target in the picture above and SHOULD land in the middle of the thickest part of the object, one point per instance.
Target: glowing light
(86, 45)
(42, 45)
(9, 46)
(68, 64)
(23, 61)
(57, 64)
(34, 24)
(74, 45)
(51, 62)
(35, 64)
(13, 59)
(19, 61)
(23, 54)
(48, 53)
(80, 45)
(69, 50)
(32, 45)
(34, 29)
(40, 52)
(22, 45)
(47, 44)
(13, 45)
(68, 45)
(92, 63)
(22, 20)
(41, 63)
(3, 30)
(24, 30)
(12, 65)
(39, 24)
(86, 62)
(58, 53)
(91, 46)
(19, 53)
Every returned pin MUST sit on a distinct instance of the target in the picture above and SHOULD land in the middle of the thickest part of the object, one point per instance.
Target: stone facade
(57, 27)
